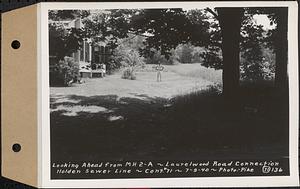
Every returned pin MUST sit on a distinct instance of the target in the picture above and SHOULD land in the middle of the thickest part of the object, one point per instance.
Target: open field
(182, 117)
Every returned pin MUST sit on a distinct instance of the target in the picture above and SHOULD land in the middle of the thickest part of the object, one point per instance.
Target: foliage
(200, 33)
(166, 28)
(185, 53)
(254, 65)
(107, 26)
(212, 57)
(170, 29)
(67, 14)
(188, 53)
(128, 74)
(264, 69)
(257, 58)
(167, 36)
(62, 41)
(156, 57)
(196, 54)
(130, 60)
(274, 14)
(113, 64)
(134, 42)
(64, 72)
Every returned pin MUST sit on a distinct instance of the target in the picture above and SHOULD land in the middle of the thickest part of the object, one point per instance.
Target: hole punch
(16, 147)
(15, 44)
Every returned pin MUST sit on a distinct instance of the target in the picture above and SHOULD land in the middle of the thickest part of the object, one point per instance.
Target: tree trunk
(281, 51)
(230, 22)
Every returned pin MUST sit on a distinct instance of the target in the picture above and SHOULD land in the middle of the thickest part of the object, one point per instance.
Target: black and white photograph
(169, 92)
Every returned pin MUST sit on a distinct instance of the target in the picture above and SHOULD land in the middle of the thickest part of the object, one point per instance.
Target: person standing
(159, 68)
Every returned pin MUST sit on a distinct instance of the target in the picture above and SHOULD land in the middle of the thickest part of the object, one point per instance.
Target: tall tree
(281, 49)
(230, 20)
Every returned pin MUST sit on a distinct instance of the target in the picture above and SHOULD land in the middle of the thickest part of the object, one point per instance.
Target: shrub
(128, 74)
(64, 72)
(131, 61)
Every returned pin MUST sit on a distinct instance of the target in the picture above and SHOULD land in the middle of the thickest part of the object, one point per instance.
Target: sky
(263, 20)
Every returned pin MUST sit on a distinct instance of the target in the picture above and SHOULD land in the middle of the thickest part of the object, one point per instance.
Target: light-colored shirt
(159, 68)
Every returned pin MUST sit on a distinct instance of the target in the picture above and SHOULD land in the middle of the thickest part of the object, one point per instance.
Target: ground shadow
(200, 125)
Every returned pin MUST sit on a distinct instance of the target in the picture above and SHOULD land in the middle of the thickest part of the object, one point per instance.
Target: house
(92, 58)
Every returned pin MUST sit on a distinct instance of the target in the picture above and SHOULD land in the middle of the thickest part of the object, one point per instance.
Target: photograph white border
(253, 181)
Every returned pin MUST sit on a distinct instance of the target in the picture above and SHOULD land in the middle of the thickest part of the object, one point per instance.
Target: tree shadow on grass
(199, 125)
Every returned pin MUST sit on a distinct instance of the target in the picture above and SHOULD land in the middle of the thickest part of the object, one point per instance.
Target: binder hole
(16, 147)
(15, 44)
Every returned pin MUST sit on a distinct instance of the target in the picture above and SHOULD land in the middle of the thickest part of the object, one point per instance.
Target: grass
(197, 71)
(172, 84)
(183, 117)
(254, 122)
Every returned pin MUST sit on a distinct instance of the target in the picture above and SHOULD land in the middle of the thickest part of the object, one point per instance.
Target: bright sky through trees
(262, 19)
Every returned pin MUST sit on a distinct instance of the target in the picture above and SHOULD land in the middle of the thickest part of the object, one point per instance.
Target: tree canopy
(167, 28)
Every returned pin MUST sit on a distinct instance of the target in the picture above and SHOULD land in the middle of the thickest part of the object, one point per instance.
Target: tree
(277, 40)
(281, 49)
(253, 64)
(167, 28)
(230, 20)
(59, 15)
(108, 26)
(64, 72)
(252, 41)
(184, 52)
(63, 42)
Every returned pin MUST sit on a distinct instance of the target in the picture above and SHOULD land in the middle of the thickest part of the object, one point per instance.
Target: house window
(87, 51)
(81, 54)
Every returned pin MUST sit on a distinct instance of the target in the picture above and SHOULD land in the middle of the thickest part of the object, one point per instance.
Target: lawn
(176, 80)
(182, 117)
